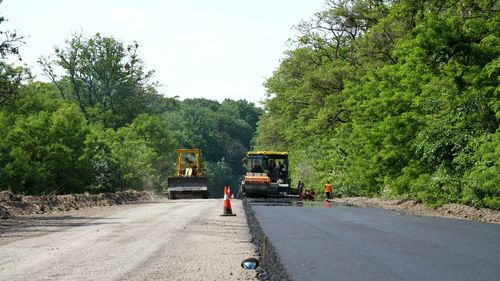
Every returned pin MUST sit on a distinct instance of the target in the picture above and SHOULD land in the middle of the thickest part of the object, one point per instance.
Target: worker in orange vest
(328, 190)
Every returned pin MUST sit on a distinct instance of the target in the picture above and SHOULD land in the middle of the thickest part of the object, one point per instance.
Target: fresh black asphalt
(351, 243)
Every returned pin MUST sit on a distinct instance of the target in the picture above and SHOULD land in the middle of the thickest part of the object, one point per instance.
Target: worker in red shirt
(328, 190)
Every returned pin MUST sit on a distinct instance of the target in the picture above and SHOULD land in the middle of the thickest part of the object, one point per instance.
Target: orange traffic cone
(227, 203)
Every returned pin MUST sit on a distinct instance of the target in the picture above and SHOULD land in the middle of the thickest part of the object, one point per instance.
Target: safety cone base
(228, 215)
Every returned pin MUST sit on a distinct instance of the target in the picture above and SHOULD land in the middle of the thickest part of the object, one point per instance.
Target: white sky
(214, 49)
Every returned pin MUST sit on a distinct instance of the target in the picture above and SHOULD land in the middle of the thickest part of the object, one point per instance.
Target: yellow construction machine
(267, 175)
(190, 181)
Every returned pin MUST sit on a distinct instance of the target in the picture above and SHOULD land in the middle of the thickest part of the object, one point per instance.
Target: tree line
(100, 125)
(392, 98)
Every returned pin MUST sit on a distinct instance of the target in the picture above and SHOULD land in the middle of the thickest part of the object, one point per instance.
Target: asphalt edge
(273, 269)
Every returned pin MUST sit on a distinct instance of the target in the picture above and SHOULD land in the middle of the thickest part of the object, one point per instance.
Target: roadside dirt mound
(455, 211)
(4, 213)
(15, 205)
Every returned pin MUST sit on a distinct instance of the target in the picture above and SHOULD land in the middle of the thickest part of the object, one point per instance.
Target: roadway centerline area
(352, 243)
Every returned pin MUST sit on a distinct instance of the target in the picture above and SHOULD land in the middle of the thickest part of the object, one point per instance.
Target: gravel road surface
(351, 243)
(163, 240)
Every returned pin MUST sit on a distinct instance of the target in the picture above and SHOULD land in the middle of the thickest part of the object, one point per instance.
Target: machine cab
(272, 164)
(189, 163)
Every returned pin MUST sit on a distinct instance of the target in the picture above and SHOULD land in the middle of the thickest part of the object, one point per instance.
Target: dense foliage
(392, 98)
(101, 126)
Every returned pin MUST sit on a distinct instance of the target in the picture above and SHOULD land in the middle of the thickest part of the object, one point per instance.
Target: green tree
(107, 80)
(41, 144)
(11, 77)
(9, 41)
(219, 174)
(160, 137)
(481, 181)
(397, 98)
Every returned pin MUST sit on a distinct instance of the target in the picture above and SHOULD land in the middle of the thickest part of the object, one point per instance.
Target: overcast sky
(215, 49)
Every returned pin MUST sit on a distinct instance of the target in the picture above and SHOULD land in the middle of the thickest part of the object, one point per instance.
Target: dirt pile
(15, 205)
(4, 213)
(455, 211)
